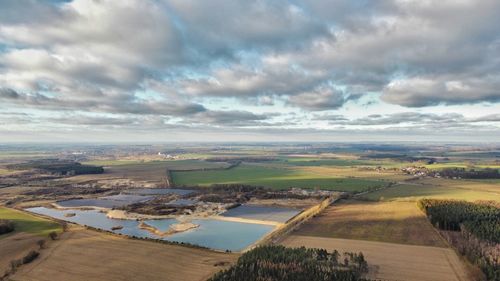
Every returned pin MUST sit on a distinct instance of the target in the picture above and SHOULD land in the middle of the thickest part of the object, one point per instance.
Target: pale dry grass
(389, 261)
(394, 222)
(15, 246)
(89, 255)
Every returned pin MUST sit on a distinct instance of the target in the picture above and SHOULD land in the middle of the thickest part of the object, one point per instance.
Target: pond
(106, 201)
(266, 213)
(158, 191)
(211, 233)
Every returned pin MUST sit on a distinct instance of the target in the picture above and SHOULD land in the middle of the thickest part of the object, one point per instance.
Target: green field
(172, 164)
(278, 178)
(405, 192)
(299, 161)
(27, 223)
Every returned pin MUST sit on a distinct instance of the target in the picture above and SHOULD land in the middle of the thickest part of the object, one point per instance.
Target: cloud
(322, 98)
(112, 104)
(225, 27)
(419, 92)
(230, 118)
(222, 63)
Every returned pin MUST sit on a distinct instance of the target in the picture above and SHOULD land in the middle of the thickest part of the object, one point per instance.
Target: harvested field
(438, 189)
(150, 171)
(15, 246)
(89, 255)
(389, 261)
(394, 222)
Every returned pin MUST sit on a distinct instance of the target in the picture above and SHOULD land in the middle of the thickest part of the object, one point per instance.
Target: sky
(243, 70)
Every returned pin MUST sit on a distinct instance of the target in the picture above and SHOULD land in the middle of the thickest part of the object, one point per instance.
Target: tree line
(279, 263)
(481, 219)
(487, 173)
(57, 166)
(472, 228)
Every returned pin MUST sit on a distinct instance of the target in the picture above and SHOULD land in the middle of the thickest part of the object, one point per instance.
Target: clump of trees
(6, 226)
(297, 264)
(472, 228)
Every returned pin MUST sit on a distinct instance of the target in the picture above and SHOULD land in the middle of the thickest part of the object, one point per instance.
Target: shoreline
(173, 229)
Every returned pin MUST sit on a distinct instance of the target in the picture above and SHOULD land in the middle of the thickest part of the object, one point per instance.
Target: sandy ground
(174, 228)
(15, 246)
(89, 255)
(124, 215)
(244, 220)
(389, 261)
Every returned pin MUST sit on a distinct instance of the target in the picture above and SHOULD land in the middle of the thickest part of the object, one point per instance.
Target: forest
(481, 219)
(298, 264)
(487, 173)
(472, 228)
(56, 166)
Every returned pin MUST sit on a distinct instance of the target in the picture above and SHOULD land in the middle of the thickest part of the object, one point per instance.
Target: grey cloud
(407, 117)
(417, 120)
(418, 92)
(231, 118)
(8, 93)
(171, 57)
(322, 98)
(330, 117)
(113, 104)
(222, 27)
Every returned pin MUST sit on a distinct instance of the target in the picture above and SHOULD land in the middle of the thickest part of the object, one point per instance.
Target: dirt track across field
(89, 255)
(390, 261)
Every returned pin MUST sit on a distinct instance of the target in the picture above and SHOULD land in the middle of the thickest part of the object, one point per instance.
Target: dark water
(158, 191)
(102, 203)
(267, 213)
(215, 234)
(106, 202)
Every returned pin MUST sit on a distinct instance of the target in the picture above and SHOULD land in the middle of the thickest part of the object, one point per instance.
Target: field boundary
(281, 231)
(170, 181)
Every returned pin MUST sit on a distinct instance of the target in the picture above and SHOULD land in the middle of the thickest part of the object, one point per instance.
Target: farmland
(28, 230)
(275, 177)
(378, 216)
(438, 189)
(27, 223)
(390, 261)
(89, 255)
(154, 171)
(393, 222)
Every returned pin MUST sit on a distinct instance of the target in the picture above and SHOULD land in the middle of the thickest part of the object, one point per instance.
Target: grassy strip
(24, 222)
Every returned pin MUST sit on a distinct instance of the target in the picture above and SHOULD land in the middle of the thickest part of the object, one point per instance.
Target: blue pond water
(215, 234)
(277, 214)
